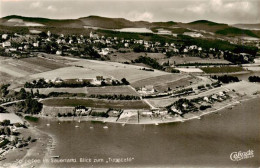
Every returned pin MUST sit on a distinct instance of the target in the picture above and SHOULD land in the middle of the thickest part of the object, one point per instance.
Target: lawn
(120, 104)
(224, 69)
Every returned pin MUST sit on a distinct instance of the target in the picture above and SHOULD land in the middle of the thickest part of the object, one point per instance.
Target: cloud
(51, 8)
(35, 4)
(137, 16)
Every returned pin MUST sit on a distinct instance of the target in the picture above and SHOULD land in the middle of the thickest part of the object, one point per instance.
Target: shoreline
(154, 121)
(34, 154)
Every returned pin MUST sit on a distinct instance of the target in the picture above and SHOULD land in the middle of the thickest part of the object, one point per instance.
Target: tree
(2, 110)
(6, 122)
(124, 81)
(7, 131)
(4, 90)
(22, 94)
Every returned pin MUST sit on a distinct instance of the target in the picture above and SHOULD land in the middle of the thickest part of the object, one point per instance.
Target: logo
(237, 156)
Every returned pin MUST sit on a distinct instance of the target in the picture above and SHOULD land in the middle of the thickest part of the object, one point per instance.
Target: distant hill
(111, 23)
(118, 23)
(14, 20)
(236, 31)
(206, 22)
(248, 26)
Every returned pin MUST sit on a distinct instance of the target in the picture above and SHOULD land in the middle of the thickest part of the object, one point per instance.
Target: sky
(221, 11)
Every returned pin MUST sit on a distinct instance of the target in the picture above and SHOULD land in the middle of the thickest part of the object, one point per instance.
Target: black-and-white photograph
(129, 83)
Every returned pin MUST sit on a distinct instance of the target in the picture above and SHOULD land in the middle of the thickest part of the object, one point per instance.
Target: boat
(105, 127)
(156, 124)
(91, 127)
(56, 156)
(77, 126)
(48, 124)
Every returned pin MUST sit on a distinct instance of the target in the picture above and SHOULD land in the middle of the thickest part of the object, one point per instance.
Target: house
(57, 80)
(193, 47)
(147, 113)
(82, 110)
(104, 51)
(12, 49)
(175, 50)
(93, 36)
(4, 36)
(126, 45)
(206, 99)
(6, 44)
(176, 110)
(49, 33)
(185, 50)
(36, 44)
(58, 52)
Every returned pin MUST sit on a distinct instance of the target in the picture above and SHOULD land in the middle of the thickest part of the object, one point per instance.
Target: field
(158, 80)
(107, 90)
(122, 104)
(111, 90)
(116, 70)
(223, 69)
(190, 70)
(71, 72)
(129, 56)
(183, 82)
(185, 60)
(20, 68)
(10, 116)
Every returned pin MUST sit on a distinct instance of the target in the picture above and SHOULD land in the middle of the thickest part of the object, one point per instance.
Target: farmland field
(69, 73)
(158, 80)
(45, 63)
(223, 69)
(183, 82)
(107, 90)
(111, 90)
(117, 70)
(27, 66)
(183, 60)
(190, 70)
(128, 57)
(122, 104)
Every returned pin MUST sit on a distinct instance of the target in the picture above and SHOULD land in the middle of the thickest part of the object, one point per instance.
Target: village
(102, 47)
(114, 80)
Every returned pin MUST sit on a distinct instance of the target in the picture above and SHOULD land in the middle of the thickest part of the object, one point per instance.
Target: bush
(202, 107)
(254, 79)
(31, 118)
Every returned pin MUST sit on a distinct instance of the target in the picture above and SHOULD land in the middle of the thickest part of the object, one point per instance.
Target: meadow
(97, 103)
(222, 69)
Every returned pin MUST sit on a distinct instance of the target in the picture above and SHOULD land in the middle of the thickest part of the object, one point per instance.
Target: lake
(205, 142)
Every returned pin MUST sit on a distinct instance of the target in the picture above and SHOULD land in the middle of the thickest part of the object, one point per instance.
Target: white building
(4, 36)
(6, 44)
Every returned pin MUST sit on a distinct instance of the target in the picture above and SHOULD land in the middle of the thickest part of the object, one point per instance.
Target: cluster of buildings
(18, 45)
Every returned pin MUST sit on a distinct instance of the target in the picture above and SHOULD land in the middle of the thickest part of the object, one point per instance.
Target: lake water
(205, 142)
